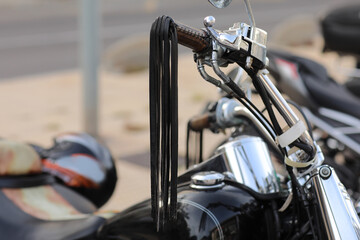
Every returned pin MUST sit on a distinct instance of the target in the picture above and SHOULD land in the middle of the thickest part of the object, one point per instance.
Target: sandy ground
(37, 108)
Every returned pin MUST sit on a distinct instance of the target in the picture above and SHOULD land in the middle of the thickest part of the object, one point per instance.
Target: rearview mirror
(220, 3)
(225, 3)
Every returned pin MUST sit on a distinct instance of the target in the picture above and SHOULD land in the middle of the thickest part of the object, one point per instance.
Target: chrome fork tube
(337, 211)
(283, 107)
(279, 101)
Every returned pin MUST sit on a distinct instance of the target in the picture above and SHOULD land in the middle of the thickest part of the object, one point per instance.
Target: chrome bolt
(325, 172)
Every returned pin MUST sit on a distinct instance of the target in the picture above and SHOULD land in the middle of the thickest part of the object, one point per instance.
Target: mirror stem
(250, 13)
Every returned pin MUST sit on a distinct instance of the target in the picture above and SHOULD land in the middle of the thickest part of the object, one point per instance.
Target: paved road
(42, 38)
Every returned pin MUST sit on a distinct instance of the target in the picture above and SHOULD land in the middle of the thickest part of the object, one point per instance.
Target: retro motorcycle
(330, 107)
(236, 193)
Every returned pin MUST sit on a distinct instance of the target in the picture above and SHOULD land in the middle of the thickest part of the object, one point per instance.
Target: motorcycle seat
(321, 88)
(40, 208)
(17, 224)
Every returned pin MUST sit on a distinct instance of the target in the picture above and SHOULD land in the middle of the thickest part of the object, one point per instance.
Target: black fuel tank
(225, 213)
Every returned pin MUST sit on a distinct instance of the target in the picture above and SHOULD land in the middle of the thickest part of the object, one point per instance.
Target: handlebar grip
(200, 122)
(196, 39)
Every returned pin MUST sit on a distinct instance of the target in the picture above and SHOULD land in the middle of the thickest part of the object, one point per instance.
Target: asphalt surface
(43, 38)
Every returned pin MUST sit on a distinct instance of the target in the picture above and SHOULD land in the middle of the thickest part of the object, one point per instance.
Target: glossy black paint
(226, 213)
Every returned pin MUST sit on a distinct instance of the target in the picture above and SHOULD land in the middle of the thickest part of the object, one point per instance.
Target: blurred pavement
(42, 35)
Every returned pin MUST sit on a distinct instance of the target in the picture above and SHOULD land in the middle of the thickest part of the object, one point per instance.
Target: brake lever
(210, 79)
(249, 41)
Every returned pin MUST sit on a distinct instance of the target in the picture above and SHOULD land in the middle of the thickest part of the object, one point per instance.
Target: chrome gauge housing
(248, 159)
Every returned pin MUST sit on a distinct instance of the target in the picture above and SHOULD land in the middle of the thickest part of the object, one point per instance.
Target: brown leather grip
(201, 122)
(196, 39)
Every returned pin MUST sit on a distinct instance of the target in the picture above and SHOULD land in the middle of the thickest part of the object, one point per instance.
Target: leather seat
(323, 90)
(39, 208)
(16, 224)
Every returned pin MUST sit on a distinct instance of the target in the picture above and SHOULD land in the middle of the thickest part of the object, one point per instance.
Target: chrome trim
(250, 13)
(220, 3)
(281, 104)
(340, 117)
(228, 113)
(334, 132)
(349, 130)
(325, 172)
(248, 158)
(240, 36)
(200, 187)
(244, 112)
(338, 213)
(216, 67)
(225, 113)
(279, 101)
(208, 78)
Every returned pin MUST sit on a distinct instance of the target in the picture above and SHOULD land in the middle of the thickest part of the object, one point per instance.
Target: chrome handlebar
(249, 43)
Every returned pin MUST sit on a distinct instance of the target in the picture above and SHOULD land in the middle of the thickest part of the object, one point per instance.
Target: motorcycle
(54, 193)
(236, 193)
(330, 107)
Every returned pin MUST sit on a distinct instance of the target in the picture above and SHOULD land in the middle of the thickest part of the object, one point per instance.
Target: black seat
(34, 206)
(322, 89)
(16, 224)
